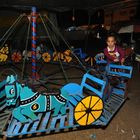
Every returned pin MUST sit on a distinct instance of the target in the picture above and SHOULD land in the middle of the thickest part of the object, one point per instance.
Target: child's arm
(111, 58)
(122, 55)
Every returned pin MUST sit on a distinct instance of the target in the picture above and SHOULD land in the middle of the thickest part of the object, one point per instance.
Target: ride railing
(120, 70)
(94, 84)
(118, 76)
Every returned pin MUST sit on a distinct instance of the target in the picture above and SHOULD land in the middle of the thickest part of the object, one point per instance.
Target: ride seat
(92, 83)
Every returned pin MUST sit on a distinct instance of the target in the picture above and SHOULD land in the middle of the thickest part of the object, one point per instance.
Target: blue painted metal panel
(45, 121)
(100, 82)
(99, 58)
(72, 100)
(125, 71)
(25, 129)
(17, 128)
(78, 52)
(73, 89)
(103, 119)
(36, 123)
(48, 123)
(62, 121)
(54, 121)
(122, 85)
(11, 127)
(70, 119)
(118, 91)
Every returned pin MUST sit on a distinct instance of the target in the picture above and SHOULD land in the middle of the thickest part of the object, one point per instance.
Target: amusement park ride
(94, 102)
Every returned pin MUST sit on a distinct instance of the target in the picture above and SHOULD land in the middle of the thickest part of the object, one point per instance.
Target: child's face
(111, 42)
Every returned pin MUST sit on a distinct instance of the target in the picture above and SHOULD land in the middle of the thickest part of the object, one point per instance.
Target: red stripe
(33, 67)
(33, 52)
(33, 28)
(33, 18)
(33, 38)
(33, 45)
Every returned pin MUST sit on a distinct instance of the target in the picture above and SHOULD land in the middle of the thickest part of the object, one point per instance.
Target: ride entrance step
(111, 107)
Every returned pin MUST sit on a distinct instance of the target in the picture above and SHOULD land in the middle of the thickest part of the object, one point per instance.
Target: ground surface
(124, 126)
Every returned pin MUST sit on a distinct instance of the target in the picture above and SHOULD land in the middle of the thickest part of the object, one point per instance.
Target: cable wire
(66, 43)
(11, 28)
(66, 77)
(26, 46)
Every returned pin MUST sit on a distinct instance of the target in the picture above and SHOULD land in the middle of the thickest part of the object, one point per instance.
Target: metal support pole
(34, 73)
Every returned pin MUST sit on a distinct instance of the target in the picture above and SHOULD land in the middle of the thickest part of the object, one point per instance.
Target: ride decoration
(63, 56)
(31, 102)
(58, 56)
(100, 58)
(27, 54)
(67, 56)
(38, 52)
(88, 110)
(4, 51)
(46, 57)
(90, 60)
(74, 105)
(16, 56)
(33, 17)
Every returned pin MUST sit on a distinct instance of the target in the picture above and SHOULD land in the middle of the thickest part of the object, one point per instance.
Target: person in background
(113, 53)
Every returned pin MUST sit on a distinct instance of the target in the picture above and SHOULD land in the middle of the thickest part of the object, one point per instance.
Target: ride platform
(48, 124)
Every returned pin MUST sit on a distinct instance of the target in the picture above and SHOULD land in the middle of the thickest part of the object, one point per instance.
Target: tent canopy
(130, 29)
(56, 5)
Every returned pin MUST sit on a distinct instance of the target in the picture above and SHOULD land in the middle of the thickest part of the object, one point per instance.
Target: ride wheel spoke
(88, 110)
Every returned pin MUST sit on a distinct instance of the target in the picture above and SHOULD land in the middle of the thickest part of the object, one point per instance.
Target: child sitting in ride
(113, 52)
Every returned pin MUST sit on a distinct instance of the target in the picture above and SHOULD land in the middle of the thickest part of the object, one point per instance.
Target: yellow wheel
(46, 57)
(88, 110)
